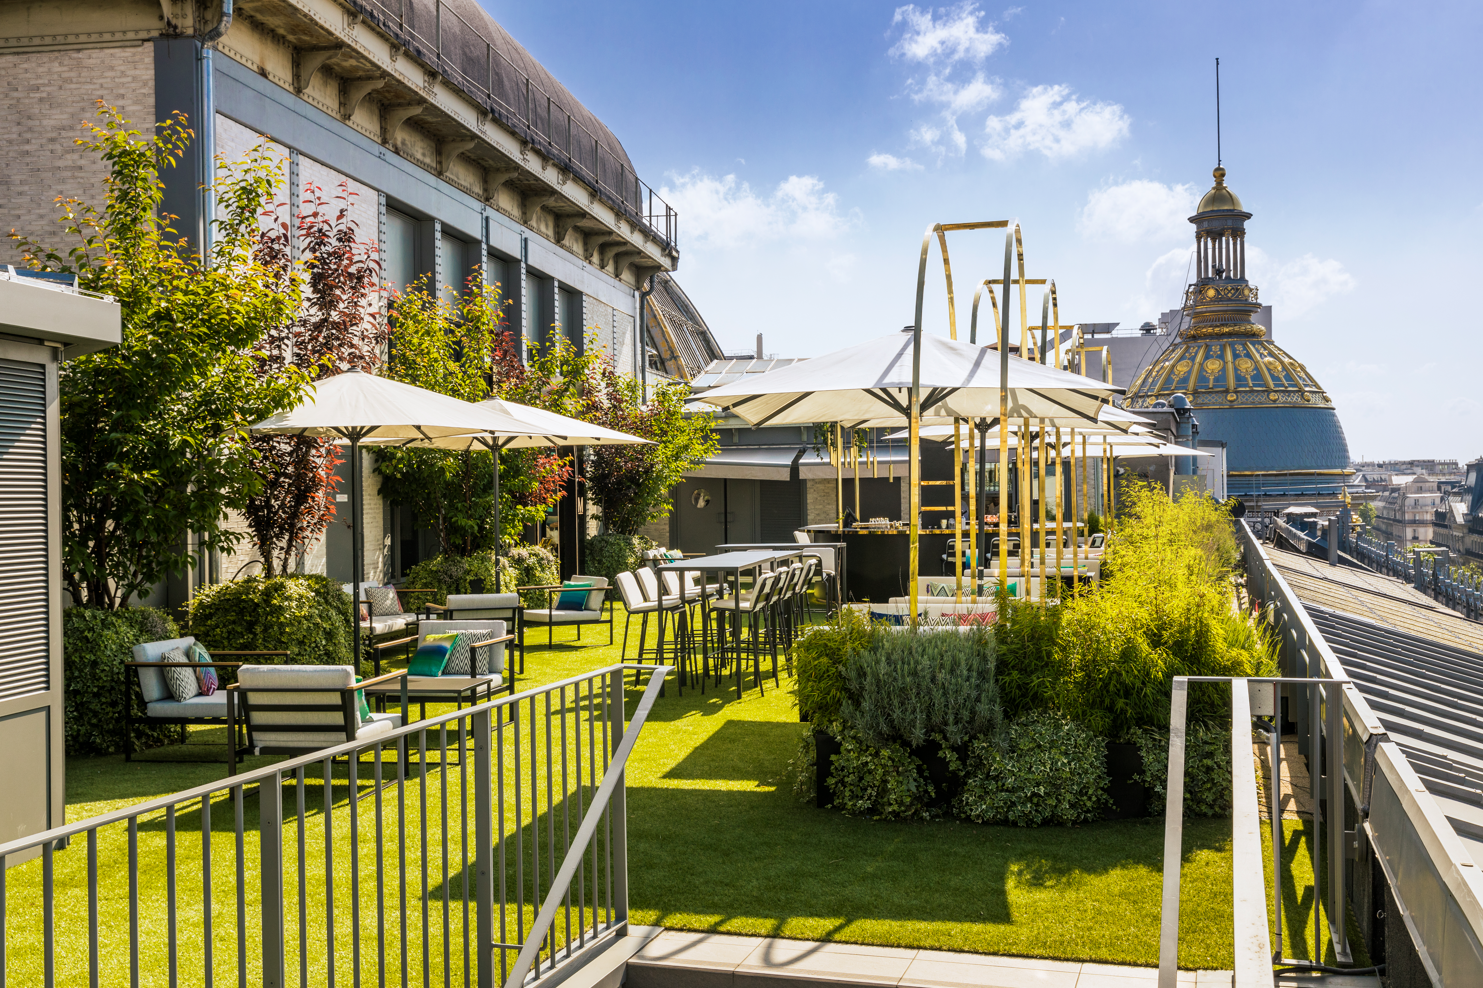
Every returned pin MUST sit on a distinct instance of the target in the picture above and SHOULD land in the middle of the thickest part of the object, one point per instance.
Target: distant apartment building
(1405, 514)
(1458, 521)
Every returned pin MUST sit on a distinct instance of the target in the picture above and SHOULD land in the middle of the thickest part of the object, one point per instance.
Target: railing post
(483, 848)
(1338, 928)
(1173, 839)
(270, 856)
(618, 805)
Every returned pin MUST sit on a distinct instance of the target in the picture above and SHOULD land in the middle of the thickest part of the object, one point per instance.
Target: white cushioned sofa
(160, 706)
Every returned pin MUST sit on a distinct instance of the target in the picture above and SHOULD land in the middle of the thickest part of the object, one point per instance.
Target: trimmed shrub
(883, 783)
(1051, 770)
(309, 616)
(444, 575)
(911, 686)
(1207, 768)
(95, 646)
(820, 654)
(610, 554)
(529, 566)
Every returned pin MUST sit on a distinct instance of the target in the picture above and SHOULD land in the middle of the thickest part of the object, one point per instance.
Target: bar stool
(754, 605)
(667, 606)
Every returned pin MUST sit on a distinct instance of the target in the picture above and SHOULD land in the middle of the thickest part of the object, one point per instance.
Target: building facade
(465, 159)
(1404, 515)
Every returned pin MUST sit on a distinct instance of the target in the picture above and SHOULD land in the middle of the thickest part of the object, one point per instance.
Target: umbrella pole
(839, 478)
(981, 506)
(1027, 507)
(958, 505)
(1060, 509)
(1044, 528)
(972, 524)
(1075, 520)
(1086, 500)
(357, 544)
(855, 456)
(493, 445)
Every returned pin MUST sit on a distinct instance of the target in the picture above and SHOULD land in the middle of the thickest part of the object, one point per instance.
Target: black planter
(826, 746)
(1128, 797)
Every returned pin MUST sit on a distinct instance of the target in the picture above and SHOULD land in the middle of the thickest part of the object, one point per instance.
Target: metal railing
(487, 76)
(1379, 807)
(493, 848)
(1431, 572)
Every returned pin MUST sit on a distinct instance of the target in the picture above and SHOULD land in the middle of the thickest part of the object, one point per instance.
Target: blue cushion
(430, 659)
(573, 596)
(891, 618)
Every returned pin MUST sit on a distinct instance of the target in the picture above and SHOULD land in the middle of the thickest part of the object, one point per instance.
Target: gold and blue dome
(1281, 432)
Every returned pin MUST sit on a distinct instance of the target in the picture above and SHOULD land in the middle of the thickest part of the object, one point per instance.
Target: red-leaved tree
(338, 327)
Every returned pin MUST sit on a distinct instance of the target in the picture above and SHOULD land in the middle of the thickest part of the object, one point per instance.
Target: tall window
(398, 253)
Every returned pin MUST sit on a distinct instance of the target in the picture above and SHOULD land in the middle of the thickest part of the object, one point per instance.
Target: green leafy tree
(155, 430)
(632, 483)
(462, 348)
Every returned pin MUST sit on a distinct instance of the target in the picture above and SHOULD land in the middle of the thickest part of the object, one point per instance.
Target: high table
(735, 564)
(841, 582)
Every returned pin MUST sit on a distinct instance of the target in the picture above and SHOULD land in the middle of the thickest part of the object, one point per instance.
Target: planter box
(1128, 797)
(826, 746)
(945, 785)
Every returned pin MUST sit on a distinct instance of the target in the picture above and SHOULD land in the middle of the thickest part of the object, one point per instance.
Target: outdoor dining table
(735, 564)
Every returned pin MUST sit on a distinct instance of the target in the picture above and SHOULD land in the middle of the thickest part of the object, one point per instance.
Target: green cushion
(360, 700)
(573, 596)
(432, 655)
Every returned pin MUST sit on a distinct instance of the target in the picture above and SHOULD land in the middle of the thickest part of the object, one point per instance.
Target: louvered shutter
(24, 646)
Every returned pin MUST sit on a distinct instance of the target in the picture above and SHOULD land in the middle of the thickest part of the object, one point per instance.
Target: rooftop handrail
(1435, 882)
(498, 784)
(566, 141)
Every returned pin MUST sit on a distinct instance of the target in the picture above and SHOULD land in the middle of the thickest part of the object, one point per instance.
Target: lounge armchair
(291, 710)
(551, 615)
(161, 707)
(488, 656)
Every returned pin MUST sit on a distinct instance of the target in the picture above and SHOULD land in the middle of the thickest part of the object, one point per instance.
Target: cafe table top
(732, 561)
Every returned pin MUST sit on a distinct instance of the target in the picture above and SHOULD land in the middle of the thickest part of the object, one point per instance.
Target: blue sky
(808, 145)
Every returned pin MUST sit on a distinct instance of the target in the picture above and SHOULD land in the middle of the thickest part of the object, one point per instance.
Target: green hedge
(309, 616)
(1050, 771)
(609, 554)
(881, 782)
(95, 646)
(820, 654)
(522, 566)
(1207, 768)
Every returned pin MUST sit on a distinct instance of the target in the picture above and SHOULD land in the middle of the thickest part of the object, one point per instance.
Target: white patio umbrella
(871, 382)
(354, 407)
(526, 426)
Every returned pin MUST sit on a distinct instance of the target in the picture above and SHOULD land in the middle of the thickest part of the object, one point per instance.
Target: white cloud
(1050, 119)
(1138, 211)
(841, 267)
(891, 163)
(952, 35)
(1294, 288)
(726, 212)
(1013, 12)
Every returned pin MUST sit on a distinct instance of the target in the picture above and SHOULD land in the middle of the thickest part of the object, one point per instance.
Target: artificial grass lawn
(717, 842)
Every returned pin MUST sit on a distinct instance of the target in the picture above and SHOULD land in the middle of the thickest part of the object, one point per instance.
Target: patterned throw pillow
(941, 589)
(384, 602)
(983, 619)
(181, 680)
(481, 656)
(458, 654)
(206, 675)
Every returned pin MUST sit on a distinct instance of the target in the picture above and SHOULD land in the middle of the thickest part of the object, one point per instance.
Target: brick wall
(44, 99)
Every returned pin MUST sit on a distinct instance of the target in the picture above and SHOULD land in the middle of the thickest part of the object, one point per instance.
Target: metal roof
(1430, 698)
(720, 372)
(1382, 599)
